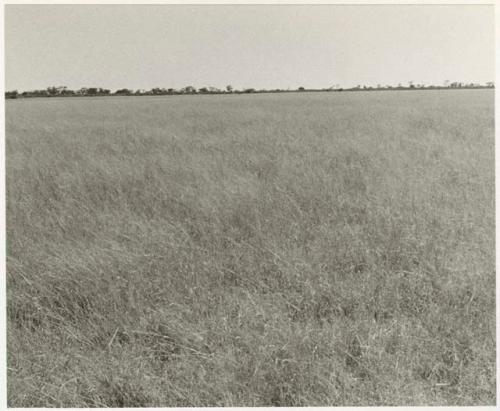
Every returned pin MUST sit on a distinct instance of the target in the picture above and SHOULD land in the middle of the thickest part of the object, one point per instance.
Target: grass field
(252, 250)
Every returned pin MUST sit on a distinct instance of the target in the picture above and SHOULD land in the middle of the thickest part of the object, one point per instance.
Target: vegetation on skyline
(63, 91)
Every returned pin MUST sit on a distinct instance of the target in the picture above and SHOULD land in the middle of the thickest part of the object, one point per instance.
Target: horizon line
(189, 89)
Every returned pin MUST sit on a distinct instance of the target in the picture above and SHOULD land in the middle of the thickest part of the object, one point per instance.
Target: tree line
(63, 91)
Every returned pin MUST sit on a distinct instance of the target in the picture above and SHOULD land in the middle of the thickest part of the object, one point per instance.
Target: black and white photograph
(249, 205)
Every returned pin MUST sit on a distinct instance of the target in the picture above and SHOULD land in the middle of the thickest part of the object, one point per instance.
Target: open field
(294, 249)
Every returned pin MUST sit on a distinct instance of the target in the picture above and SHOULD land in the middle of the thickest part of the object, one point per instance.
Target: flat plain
(251, 250)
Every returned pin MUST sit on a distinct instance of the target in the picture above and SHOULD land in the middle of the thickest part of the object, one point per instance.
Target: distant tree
(67, 92)
(11, 94)
(56, 91)
(203, 90)
(158, 91)
(36, 93)
(490, 84)
(188, 90)
(301, 88)
(249, 90)
(229, 88)
(123, 92)
(52, 91)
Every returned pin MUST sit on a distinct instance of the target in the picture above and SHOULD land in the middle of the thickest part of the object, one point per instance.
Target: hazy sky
(279, 46)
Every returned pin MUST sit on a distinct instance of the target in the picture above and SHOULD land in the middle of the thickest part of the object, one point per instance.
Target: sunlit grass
(299, 249)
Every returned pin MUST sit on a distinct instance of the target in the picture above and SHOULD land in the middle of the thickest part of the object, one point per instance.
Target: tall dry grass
(298, 249)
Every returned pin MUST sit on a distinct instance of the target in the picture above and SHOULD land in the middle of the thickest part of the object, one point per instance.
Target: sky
(259, 46)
